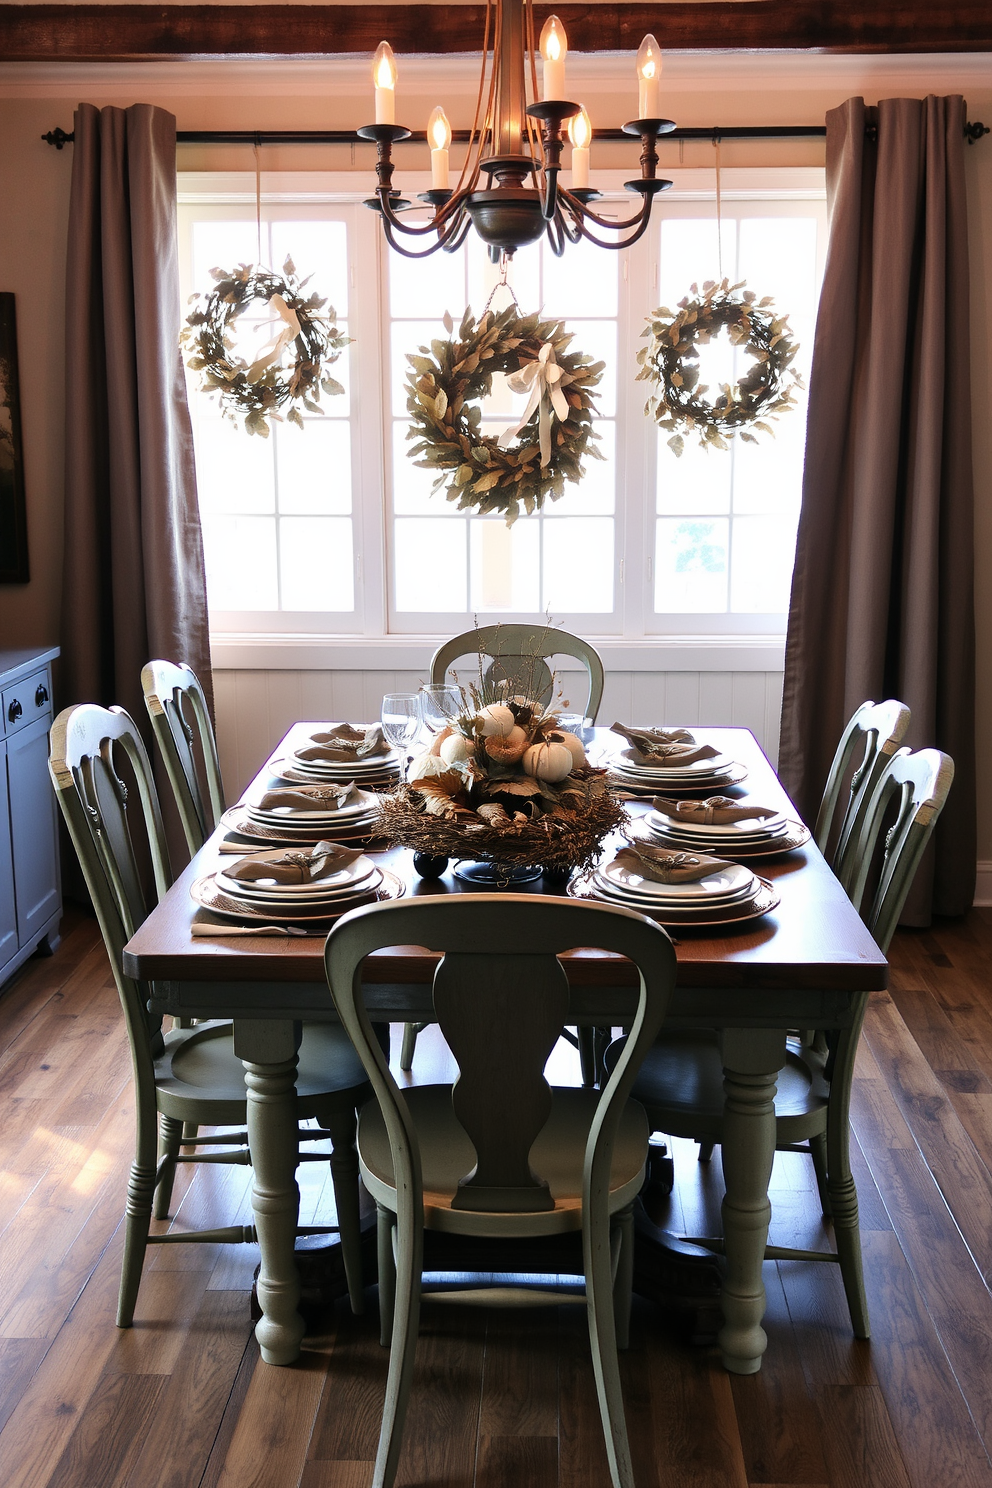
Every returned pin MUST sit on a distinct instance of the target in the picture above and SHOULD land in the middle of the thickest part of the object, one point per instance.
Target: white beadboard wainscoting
(255, 706)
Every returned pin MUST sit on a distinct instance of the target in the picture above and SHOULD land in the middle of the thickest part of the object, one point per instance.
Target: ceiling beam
(106, 33)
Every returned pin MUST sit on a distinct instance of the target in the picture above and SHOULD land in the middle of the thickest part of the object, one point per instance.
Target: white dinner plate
(751, 826)
(712, 764)
(718, 884)
(659, 901)
(235, 889)
(353, 873)
(206, 893)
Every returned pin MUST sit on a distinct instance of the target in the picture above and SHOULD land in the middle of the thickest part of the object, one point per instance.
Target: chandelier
(517, 147)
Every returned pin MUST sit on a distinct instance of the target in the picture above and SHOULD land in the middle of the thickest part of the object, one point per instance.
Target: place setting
(657, 760)
(291, 892)
(344, 754)
(302, 814)
(677, 888)
(719, 824)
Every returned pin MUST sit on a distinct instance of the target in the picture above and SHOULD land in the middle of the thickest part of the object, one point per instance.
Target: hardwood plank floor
(501, 1400)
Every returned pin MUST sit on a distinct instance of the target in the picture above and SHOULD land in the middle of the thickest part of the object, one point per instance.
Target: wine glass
(401, 720)
(440, 704)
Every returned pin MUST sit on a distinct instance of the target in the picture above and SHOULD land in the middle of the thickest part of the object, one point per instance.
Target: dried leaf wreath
(671, 362)
(259, 390)
(446, 384)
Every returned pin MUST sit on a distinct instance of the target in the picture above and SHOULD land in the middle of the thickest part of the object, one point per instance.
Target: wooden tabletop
(813, 939)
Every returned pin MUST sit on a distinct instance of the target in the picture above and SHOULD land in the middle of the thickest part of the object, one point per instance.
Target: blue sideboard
(30, 893)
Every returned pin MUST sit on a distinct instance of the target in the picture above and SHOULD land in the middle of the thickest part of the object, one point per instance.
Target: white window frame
(291, 640)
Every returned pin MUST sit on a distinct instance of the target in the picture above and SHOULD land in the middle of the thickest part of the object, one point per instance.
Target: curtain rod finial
(58, 137)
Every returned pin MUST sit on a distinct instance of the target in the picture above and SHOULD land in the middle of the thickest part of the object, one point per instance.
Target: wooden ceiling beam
(123, 33)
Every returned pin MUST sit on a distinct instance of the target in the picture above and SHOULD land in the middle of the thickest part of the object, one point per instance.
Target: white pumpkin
(496, 718)
(573, 744)
(506, 749)
(426, 766)
(439, 739)
(551, 762)
(455, 748)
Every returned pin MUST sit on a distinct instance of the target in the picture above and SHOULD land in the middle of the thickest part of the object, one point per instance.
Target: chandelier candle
(384, 77)
(439, 138)
(553, 47)
(580, 133)
(649, 78)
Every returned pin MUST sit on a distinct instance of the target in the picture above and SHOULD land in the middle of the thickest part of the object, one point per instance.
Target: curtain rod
(59, 137)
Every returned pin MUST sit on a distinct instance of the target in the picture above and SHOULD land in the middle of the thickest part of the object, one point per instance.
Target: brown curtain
(882, 597)
(134, 582)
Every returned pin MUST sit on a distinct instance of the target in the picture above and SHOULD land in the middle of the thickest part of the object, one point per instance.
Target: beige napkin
(664, 866)
(308, 798)
(648, 739)
(718, 810)
(664, 747)
(292, 867)
(345, 744)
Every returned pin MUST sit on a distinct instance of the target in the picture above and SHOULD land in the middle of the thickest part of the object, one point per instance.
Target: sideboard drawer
(27, 701)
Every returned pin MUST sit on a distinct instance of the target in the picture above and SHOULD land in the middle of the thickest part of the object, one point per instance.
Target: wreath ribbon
(271, 353)
(543, 380)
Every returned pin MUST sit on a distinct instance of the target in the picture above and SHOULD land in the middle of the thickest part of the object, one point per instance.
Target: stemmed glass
(401, 720)
(440, 705)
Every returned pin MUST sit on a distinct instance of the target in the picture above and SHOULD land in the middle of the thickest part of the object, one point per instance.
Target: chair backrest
(878, 729)
(501, 998)
(114, 836)
(916, 785)
(518, 654)
(181, 723)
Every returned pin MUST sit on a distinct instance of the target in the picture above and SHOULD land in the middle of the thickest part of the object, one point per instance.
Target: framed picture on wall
(13, 508)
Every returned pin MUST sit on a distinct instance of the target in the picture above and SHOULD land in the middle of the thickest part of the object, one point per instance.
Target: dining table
(808, 964)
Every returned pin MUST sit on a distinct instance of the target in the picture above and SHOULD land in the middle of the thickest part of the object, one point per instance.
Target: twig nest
(454, 748)
(496, 719)
(550, 762)
(574, 745)
(506, 749)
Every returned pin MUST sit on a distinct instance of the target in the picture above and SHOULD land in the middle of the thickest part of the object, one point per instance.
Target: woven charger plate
(763, 902)
(205, 893)
(236, 819)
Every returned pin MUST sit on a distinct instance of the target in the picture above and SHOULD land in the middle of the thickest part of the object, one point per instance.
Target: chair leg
(344, 1177)
(169, 1137)
(843, 1198)
(706, 1151)
(588, 1063)
(410, 1031)
(387, 1272)
(623, 1281)
(603, 1342)
(402, 1351)
(140, 1189)
(818, 1152)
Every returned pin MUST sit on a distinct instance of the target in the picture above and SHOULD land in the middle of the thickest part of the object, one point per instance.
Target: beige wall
(34, 188)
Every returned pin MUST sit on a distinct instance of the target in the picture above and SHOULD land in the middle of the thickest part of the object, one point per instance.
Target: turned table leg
(268, 1050)
(752, 1058)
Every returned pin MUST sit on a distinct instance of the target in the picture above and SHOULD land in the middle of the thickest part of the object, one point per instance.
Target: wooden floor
(501, 1401)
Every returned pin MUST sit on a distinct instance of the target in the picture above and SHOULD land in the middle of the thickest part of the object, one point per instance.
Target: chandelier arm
(584, 214)
(436, 224)
(627, 242)
(452, 244)
(555, 229)
(410, 252)
(571, 223)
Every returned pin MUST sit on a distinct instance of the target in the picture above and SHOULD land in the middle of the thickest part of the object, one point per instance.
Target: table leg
(752, 1058)
(268, 1050)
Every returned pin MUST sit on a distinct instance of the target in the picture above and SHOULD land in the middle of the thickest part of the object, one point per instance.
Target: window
(333, 530)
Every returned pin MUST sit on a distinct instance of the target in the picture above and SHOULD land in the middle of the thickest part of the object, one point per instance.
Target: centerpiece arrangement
(506, 786)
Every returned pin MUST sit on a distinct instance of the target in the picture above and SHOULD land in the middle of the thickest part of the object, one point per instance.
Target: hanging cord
(502, 283)
(258, 200)
(719, 210)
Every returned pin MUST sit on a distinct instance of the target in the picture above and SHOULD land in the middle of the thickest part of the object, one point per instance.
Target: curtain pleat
(134, 584)
(882, 595)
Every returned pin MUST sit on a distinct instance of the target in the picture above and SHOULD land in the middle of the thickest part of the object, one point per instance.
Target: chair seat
(199, 1067)
(558, 1153)
(682, 1075)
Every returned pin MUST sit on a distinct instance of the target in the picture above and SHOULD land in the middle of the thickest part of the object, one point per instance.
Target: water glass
(401, 719)
(440, 704)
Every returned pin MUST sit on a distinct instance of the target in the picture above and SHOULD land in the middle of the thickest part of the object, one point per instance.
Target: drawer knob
(14, 711)
(41, 696)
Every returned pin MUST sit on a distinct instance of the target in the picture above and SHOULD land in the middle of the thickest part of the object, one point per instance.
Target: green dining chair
(499, 1153)
(184, 734)
(191, 1077)
(871, 738)
(518, 654)
(680, 1082)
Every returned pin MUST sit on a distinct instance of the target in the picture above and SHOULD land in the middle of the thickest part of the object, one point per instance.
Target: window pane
(598, 339)
(319, 249)
(411, 483)
(316, 563)
(313, 466)
(595, 493)
(691, 565)
(578, 564)
(698, 480)
(506, 563)
(240, 558)
(430, 565)
(761, 567)
(407, 337)
(221, 245)
(689, 255)
(233, 468)
(768, 475)
(427, 287)
(583, 282)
